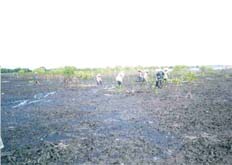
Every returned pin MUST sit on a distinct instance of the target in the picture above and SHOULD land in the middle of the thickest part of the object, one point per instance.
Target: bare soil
(52, 123)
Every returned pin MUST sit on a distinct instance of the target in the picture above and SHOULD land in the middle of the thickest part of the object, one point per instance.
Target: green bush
(176, 81)
(41, 70)
(181, 74)
(179, 70)
(16, 70)
(189, 76)
(84, 74)
(206, 70)
(69, 71)
(5, 70)
(21, 71)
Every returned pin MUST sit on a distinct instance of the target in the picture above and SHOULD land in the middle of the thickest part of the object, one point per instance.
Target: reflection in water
(40, 97)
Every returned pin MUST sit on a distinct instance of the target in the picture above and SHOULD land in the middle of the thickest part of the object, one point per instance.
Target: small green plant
(189, 76)
(68, 73)
(84, 74)
(181, 74)
(176, 81)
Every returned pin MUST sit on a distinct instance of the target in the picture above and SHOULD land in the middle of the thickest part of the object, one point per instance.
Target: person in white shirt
(140, 76)
(145, 76)
(99, 79)
(165, 74)
(120, 78)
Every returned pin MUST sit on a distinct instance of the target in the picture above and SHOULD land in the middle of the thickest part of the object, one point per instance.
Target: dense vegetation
(16, 70)
(177, 74)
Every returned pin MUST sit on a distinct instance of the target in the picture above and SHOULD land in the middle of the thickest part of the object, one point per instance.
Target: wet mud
(51, 123)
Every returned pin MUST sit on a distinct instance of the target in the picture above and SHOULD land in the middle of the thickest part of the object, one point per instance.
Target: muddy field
(81, 123)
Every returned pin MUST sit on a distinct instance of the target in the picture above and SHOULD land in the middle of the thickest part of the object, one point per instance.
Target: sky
(90, 33)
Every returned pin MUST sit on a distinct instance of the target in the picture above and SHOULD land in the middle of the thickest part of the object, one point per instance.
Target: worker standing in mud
(159, 78)
(119, 78)
(99, 79)
(166, 74)
(142, 76)
(36, 79)
(145, 76)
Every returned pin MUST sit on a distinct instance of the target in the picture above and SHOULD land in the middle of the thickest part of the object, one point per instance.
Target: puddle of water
(17, 101)
(42, 95)
(49, 93)
(27, 102)
(5, 81)
(22, 103)
(108, 95)
(110, 89)
(38, 96)
(35, 101)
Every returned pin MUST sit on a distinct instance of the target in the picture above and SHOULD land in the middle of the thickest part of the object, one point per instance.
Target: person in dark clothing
(159, 78)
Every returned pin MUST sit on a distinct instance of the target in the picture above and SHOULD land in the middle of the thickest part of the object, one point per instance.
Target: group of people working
(142, 77)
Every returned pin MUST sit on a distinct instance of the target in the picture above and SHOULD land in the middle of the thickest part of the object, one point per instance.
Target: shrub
(189, 76)
(69, 71)
(84, 74)
(206, 70)
(41, 70)
(179, 70)
(21, 71)
(181, 73)
(176, 81)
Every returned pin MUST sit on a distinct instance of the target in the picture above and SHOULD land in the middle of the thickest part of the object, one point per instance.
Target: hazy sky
(54, 33)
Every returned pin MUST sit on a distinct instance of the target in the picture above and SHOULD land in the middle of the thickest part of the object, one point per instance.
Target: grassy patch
(182, 74)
